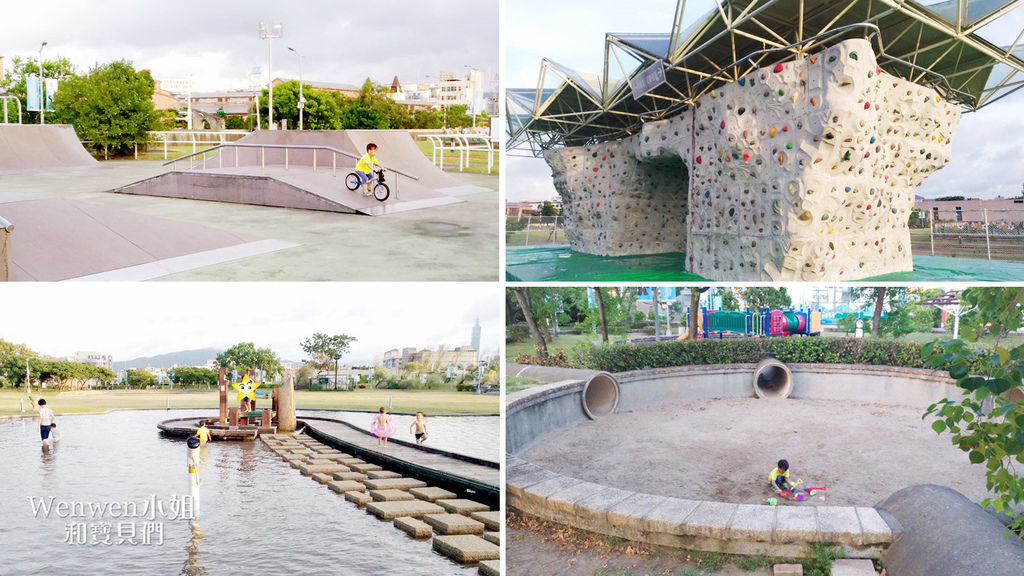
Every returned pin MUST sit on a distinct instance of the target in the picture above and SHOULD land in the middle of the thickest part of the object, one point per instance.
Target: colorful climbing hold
(814, 101)
(854, 55)
(848, 188)
(595, 169)
(722, 125)
(782, 92)
(771, 132)
(831, 58)
(789, 146)
(741, 110)
(867, 105)
(698, 159)
(775, 208)
(778, 68)
(872, 140)
(867, 154)
(598, 204)
(746, 157)
(814, 59)
(846, 156)
(785, 128)
(743, 81)
(869, 206)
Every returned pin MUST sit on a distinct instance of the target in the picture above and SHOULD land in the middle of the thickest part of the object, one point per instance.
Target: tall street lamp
(269, 32)
(42, 102)
(336, 358)
(302, 101)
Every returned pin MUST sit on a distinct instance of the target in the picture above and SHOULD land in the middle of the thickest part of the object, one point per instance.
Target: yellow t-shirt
(204, 434)
(366, 163)
(775, 474)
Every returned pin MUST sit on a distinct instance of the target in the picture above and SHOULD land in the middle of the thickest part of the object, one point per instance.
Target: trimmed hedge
(648, 355)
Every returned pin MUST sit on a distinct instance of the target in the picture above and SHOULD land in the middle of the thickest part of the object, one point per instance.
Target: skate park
(774, 140)
(679, 457)
(272, 215)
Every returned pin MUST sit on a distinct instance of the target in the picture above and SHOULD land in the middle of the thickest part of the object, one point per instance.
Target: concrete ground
(723, 450)
(458, 242)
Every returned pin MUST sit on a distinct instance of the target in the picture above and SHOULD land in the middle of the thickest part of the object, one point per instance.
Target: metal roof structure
(930, 43)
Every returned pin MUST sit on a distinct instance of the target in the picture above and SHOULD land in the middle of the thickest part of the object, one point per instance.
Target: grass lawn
(561, 342)
(1008, 342)
(477, 159)
(431, 402)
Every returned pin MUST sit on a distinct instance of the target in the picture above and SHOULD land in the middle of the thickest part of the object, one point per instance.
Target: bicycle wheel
(352, 181)
(381, 191)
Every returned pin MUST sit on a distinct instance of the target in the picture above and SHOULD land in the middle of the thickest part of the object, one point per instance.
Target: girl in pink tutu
(382, 427)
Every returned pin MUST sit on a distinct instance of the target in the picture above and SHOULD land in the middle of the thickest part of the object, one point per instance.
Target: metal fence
(534, 231)
(990, 235)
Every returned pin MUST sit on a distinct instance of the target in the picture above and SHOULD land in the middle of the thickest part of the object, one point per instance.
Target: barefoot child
(46, 423)
(419, 426)
(382, 427)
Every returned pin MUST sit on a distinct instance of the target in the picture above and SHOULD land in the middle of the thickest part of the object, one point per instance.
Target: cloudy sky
(985, 146)
(219, 45)
(141, 319)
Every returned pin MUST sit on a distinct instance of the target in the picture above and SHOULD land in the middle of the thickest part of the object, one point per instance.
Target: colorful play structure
(749, 323)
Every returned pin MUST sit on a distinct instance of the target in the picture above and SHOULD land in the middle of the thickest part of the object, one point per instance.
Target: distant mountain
(181, 358)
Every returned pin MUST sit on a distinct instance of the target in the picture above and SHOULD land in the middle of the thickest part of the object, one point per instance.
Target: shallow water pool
(258, 514)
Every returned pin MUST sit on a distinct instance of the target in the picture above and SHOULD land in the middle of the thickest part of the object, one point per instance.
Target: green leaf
(976, 457)
(939, 426)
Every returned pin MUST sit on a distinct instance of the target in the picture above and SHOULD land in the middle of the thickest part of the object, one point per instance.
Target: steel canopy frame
(913, 41)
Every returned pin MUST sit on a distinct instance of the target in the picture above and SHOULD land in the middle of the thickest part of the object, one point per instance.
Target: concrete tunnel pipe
(772, 379)
(600, 395)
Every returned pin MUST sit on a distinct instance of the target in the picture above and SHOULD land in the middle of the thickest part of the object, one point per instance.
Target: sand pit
(723, 449)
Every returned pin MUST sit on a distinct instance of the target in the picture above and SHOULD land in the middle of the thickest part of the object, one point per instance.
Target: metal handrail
(286, 147)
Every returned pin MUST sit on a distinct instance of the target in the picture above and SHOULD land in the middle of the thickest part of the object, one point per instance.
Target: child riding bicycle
(366, 166)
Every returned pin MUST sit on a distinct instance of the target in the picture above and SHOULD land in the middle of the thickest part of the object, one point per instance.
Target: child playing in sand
(366, 166)
(779, 478)
(419, 427)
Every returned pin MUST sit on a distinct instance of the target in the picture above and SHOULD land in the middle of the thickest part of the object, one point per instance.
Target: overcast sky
(986, 146)
(218, 42)
(141, 319)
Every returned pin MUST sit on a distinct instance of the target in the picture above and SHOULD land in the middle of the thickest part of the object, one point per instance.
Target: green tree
(991, 435)
(246, 356)
(758, 297)
(321, 111)
(193, 376)
(548, 209)
(139, 378)
(323, 348)
(729, 300)
(109, 107)
(13, 82)
(695, 293)
(523, 299)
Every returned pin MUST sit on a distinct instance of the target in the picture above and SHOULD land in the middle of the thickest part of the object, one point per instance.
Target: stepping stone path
(465, 531)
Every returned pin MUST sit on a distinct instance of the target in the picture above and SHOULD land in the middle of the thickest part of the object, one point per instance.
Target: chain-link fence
(534, 231)
(983, 233)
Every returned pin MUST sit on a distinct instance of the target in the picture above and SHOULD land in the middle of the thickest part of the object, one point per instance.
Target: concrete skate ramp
(31, 148)
(396, 150)
(293, 188)
(56, 239)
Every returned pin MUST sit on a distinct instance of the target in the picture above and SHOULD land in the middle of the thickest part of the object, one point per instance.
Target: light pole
(336, 358)
(302, 101)
(269, 32)
(42, 102)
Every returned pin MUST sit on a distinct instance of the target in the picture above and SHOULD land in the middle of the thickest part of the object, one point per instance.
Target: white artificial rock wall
(798, 171)
(615, 205)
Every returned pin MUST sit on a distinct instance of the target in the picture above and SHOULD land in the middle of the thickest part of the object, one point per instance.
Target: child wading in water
(46, 423)
(419, 427)
(382, 427)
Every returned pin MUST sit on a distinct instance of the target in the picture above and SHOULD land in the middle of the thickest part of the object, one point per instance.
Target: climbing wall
(616, 205)
(798, 171)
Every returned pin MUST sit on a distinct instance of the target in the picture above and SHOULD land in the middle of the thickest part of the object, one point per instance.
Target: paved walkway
(452, 466)
(455, 243)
